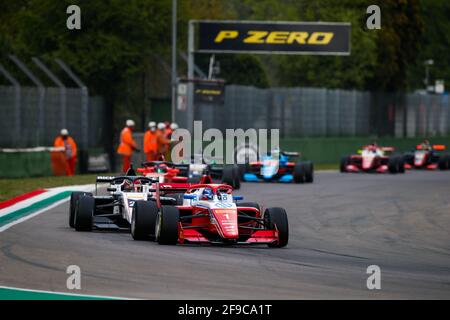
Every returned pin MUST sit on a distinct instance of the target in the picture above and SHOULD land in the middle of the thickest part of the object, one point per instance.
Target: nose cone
(227, 222)
(367, 162)
(419, 159)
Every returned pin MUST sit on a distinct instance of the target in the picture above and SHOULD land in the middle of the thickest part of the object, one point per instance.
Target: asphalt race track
(339, 226)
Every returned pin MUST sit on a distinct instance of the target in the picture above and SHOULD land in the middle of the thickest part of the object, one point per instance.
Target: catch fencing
(32, 116)
(319, 112)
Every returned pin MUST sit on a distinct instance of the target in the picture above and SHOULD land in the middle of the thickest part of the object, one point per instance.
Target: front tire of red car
(166, 230)
(344, 164)
(444, 162)
(277, 217)
(393, 165)
(401, 165)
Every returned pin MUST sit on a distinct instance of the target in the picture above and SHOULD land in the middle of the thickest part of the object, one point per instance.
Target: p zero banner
(274, 37)
(209, 92)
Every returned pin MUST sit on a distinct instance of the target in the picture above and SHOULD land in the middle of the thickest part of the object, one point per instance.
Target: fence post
(17, 107)
(61, 86)
(84, 102)
(41, 89)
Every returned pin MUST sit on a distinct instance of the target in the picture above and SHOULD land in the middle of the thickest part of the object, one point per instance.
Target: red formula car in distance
(165, 171)
(210, 214)
(373, 158)
(428, 157)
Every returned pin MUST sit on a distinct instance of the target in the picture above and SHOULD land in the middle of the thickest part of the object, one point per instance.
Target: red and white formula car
(373, 158)
(209, 214)
(165, 171)
(428, 157)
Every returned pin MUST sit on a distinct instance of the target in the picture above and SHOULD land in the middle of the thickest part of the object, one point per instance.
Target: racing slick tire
(143, 220)
(277, 217)
(401, 164)
(444, 162)
(393, 164)
(231, 176)
(237, 177)
(299, 173)
(84, 213)
(243, 168)
(166, 230)
(344, 163)
(74, 196)
(309, 171)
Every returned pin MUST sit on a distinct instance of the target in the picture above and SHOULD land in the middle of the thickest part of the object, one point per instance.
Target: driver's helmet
(426, 144)
(222, 195)
(207, 194)
(127, 186)
(372, 147)
(161, 168)
(137, 186)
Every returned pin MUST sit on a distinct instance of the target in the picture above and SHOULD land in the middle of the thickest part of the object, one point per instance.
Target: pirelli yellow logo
(274, 37)
(277, 37)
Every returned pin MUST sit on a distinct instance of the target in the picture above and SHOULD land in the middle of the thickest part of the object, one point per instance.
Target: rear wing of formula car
(387, 149)
(439, 147)
(436, 147)
(291, 154)
(104, 179)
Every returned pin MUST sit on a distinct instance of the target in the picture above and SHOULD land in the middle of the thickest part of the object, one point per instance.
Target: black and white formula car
(114, 211)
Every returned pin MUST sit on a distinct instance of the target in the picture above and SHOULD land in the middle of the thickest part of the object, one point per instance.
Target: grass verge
(10, 188)
(318, 166)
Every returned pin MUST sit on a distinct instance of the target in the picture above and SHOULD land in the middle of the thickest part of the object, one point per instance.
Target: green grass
(10, 188)
(318, 166)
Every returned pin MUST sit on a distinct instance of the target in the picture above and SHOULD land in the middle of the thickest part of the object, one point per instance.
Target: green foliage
(435, 43)
(119, 40)
(115, 39)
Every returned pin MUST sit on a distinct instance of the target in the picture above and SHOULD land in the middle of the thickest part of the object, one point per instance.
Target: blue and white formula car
(278, 167)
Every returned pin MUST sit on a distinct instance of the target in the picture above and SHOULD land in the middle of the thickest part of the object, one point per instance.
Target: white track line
(86, 188)
(50, 192)
(53, 205)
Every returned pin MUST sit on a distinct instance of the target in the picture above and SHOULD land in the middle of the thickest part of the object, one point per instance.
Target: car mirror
(189, 196)
(236, 198)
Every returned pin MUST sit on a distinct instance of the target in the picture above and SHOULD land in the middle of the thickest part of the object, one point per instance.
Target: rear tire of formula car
(401, 164)
(73, 205)
(166, 230)
(277, 217)
(143, 220)
(236, 177)
(443, 162)
(228, 175)
(344, 164)
(299, 173)
(393, 165)
(242, 169)
(309, 171)
(84, 213)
